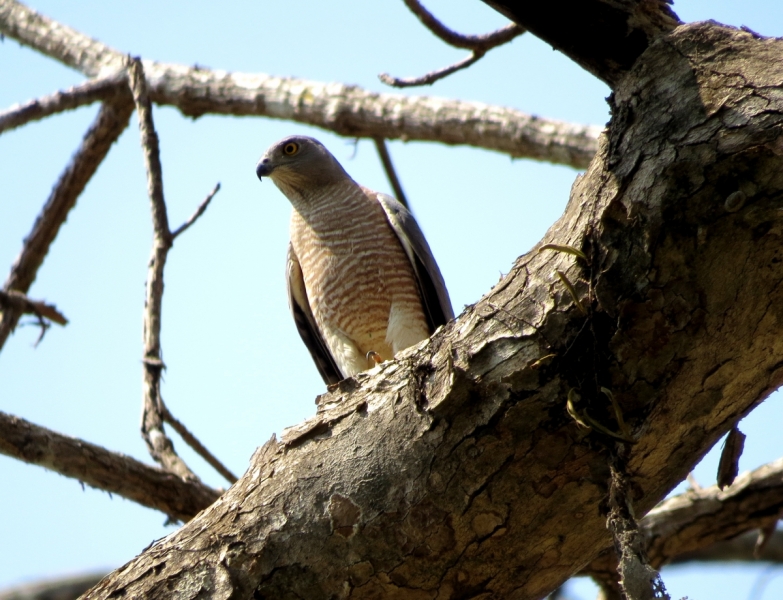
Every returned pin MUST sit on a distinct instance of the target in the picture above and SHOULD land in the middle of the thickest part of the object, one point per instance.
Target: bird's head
(299, 164)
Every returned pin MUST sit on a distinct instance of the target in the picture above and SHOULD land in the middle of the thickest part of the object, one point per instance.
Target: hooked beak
(264, 168)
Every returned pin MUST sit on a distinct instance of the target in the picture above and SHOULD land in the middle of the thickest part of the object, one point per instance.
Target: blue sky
(237, 371)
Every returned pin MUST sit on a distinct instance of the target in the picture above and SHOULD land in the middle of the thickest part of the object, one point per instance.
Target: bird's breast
(357, 274)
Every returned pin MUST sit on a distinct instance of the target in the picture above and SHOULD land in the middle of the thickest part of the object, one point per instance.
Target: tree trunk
(457, 471)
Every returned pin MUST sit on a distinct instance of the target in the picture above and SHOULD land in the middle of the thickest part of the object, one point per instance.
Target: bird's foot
(374, 357)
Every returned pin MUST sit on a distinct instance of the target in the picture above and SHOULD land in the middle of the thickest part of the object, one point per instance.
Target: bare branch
(391, 174)
(57, 41)
(23, 305)
(199, 211)
(94, 90)
(432, 76)
(112, 472)
(107, 127)
(346, 110)
(703, 524)
(193, 442)
(739, 549)
(160, 446)
(471, 42)
(66, 588)
(478, 44)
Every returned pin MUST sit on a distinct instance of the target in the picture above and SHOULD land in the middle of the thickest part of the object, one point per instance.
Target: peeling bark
(456, 471)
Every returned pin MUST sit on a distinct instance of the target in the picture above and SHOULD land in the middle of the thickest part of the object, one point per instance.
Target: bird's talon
(374, 356)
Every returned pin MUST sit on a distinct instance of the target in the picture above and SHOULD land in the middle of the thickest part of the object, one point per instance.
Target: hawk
(362, 282)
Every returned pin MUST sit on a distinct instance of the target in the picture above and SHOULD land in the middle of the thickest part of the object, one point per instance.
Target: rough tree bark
(456, 471)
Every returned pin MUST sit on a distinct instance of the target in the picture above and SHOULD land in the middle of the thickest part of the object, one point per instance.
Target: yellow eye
(290, 148)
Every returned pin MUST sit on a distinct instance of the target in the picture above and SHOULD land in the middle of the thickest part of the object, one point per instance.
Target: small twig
(160, 446)
(691, 479)
(24, 305)
(104, 131)
(103, 469)
(391, 174)
(477, 44)
(432, 76)
(199, 211)
(94, 90)
(193, 442)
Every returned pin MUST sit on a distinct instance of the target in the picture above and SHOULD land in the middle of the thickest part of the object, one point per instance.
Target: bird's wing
(434, 295)
(305, 322)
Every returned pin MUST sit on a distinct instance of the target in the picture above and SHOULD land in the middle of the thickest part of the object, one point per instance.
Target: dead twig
(199, 211)
(197, 446)
(160, 446)
(102, 469)
(479, 45)
(94, 90)
(484, 41)
(391, 174)
(432, 76)
(154, 411)
(44, 313)
(24, 305)
(104, 131)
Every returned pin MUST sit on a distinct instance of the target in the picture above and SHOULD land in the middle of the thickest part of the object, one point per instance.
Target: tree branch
(485, 42)
(101, 89)
(104, 131)
(707, 524)
(160, 446)
(346, 110)
(605, 37)
(199, 211)
(192, 441)
(455, 469)
(391, 174)
(432, 76)
(21, 304)
(478, 44)
(104, 470)
(67, 588)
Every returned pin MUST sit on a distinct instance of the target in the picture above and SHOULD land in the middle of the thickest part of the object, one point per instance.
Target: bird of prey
(362, 282)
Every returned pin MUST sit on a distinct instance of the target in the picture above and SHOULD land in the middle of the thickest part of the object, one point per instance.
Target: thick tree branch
(111, 472)
(455, 470)
(104, 131)
(605, 37)
(342, 109)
